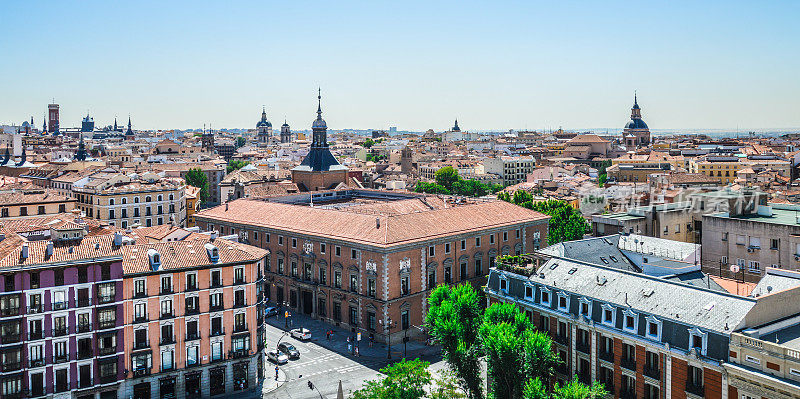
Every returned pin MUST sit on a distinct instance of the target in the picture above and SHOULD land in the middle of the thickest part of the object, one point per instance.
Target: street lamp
(388, 327)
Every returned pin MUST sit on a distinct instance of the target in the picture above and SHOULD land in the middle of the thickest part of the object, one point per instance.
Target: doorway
(308, 302)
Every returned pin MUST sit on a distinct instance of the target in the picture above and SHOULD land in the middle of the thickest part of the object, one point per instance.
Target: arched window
(160, 197)
(124, 200)
(111, 201)
(148, 199)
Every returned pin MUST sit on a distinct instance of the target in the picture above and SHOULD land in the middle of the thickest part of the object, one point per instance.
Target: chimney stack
(24, 252)
(377, 223)
(49, 250)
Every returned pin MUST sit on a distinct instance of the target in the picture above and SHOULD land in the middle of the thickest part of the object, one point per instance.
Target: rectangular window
(191, 281)
(491, 238)
(338, 250)
(294, 243)
(463, 245)
(353, 254)
(447, 248)
(432, 251)
(477, 241)
(322, 248)
(505, 236)
(773, 243)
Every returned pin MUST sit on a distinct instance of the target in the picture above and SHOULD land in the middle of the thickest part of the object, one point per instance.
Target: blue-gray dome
(264, 124)
(636, 124)
(319, 123)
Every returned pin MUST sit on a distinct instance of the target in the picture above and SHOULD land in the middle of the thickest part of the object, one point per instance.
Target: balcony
(215, 308)
(167, 340)
(59, 305)
(35, 335)
(215, 333)
(167, 368)
(84, 302)
(191, 311)
(561, 339)
(628, 363)
(62, 387)
(139, 294)
(10, 338)
(107, 351)
(584, 347)
(141, 345)
(12, 311)
(695, 389)
(607, 356)
(239, 353)
(216, 284)
(240, 328)
(85, 354)
(103, 325)
(10, 366)
(85, 383)
(240, 281)
(166, 315)
(239, 304)
(35, 309)
(165, 291)
(190, 288)
(652, 372)
(59, 331)
(141, 372)
(61, 358)
(37, 363)
(84, 327)
(192, 336)
(108, 298)
(108, 379)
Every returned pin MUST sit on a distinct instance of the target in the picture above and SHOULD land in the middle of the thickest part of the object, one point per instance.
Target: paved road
(325, 363)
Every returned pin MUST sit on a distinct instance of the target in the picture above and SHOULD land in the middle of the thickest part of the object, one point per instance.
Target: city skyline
(509, 66)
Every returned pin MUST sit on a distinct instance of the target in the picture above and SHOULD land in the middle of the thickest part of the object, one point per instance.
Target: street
(326, 362)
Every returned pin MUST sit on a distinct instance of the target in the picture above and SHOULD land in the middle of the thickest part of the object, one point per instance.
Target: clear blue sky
(416, 65)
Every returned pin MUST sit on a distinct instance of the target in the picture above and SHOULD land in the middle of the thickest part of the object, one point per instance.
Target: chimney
(49, 251)
(24, 252)
(377, 223)
(213, 235)
(117, 239)
(226, 207)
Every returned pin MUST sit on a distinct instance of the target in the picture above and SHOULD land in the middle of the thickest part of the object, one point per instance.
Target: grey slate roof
(668, 300)
(697, 279)
(596, 250)
(776, 280)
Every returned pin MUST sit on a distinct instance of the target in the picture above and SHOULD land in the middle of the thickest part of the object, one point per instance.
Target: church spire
(319, 103)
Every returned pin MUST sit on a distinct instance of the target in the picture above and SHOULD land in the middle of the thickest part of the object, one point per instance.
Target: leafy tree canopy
(566, 222)
(196, 178)
(236, 165)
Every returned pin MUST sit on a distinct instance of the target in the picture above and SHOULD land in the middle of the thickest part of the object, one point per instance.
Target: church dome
(319, 123)
(263, 123)
(636, 124)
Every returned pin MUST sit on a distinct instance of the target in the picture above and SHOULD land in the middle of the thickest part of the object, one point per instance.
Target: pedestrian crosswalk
(316, 360)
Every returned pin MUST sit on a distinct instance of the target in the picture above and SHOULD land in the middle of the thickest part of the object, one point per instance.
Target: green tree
(430, 188)
(575, 390)
(453, 319)
(446, 387)
(446, 177)
(566, 223)
(240, 142)
(368, 143)
(404, 380)
(515, 353)
(601, 180)
(196, 178)
(236, 165)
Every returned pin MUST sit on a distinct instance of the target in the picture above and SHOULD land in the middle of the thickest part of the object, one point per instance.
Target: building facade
(61, 314)
(194, 318)
(365, 259)
(22, 203)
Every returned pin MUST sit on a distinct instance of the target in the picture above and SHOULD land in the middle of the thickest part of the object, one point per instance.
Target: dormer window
(544, 299)
(585, 307)
(504, 285)
(563, 302)
(653, 328)
(630, 321)
(155, 259)
(528, 292)
(698, 340)
(609, 315)
(213, 252)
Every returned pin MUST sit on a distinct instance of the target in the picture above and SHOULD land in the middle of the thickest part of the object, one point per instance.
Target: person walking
(357, 351)
(276, 373)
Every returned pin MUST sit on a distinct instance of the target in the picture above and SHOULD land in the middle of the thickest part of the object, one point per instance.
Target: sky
(417, 65)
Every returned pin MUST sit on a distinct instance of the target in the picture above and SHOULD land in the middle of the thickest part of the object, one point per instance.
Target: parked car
(272, 311)
(301, 334)
(277, 357)
(289, 350)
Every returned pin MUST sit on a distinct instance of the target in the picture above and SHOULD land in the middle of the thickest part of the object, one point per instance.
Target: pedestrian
(276, 373)
(371, 340)
(356, 351)
(349, 346)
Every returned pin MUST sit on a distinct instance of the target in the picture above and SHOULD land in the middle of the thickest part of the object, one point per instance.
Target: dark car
(289, 350)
